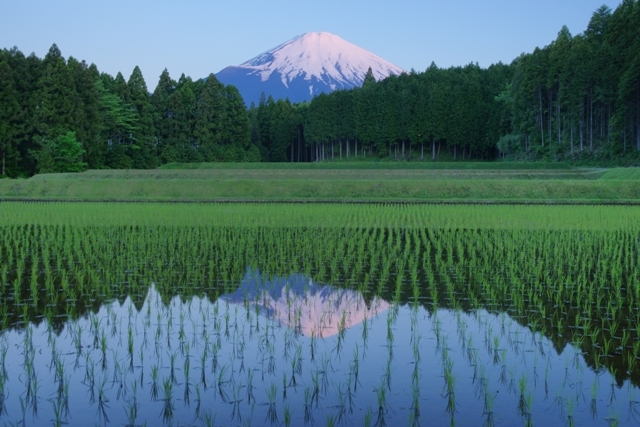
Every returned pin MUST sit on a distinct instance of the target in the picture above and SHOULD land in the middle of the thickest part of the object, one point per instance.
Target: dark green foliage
(117, 123)
(62, 154)
(9, 110)
(396, 117)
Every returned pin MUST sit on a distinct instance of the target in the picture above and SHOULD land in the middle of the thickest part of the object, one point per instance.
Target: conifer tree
(210, 119)
(163, 115)
(144, 153)
(9, 108)
(369, 79)
(57, 99)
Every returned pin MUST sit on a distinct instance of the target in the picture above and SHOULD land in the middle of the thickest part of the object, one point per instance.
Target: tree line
(60, 115)
(577, 98)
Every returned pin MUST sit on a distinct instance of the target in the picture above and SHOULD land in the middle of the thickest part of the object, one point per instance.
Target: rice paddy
(271, 314)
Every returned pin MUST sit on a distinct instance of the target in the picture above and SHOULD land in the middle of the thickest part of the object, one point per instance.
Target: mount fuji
(304, 67)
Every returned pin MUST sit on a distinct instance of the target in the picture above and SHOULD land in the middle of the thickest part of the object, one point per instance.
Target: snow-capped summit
(305, 66)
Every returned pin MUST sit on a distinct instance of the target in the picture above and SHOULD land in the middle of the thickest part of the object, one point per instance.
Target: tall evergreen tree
(9, 108)
(57, 99)
(210, 119)
(144, 147)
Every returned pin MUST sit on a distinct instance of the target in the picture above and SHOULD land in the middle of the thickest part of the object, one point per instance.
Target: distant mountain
(304, 67)
(299, 303)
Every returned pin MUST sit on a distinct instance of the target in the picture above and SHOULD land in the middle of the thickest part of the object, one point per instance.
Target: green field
(323, 215)
(364, 164)
(340, 181)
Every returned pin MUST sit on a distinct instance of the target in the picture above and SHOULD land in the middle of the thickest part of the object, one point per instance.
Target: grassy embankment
(340, 181)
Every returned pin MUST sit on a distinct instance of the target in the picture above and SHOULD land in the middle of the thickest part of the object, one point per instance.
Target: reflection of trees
(574, 287)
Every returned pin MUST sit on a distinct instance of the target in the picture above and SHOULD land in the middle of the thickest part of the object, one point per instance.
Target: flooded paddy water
(316, 315)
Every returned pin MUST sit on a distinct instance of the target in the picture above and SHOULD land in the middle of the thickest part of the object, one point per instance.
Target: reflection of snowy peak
(305, 66)
(299, 303)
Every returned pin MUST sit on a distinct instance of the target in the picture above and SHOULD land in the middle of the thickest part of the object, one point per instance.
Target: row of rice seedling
(392, 215)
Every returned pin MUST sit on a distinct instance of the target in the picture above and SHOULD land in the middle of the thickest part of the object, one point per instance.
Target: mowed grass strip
(325, 175)
(593, 191)
(373, 165)
(622, 174)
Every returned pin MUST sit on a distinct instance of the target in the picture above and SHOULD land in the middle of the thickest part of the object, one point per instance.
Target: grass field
(326, 174)
(488, 183)
(362, 164)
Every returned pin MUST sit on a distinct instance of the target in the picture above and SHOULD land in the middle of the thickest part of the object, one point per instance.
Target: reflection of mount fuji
(299, 303)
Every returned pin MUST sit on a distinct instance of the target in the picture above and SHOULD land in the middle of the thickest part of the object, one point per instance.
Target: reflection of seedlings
(103, 349)
(167, 407)
(131, 408)
(381, 395)
(387, 373)
(272, 393)
(250, 386)
(57, 412)
(593, 406)
(511, 387)
(354, 367)
(102, 402)
(187, 383)
(154, 383)
(215, 348)
(89, 376)
(488, 408)
(634, 405)
(341, 405)
(368, 418)
(414, 415)
(284, 386)
(449, 393)
(523, 404)
(77, 340)
(130, 346)
(222, 381)
(496, 351)
(324, 371)
(198, 401)
(365, 332)
(339, 343)
(3, 409)
(287, 415)
(308, 401)
(172, 367)
(235, 402)
(203, 372)
(315, 395)
(313, 345)
(570, 420)
(613, 419)
(271, 361)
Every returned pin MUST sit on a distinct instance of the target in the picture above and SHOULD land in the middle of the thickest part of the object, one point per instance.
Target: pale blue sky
(199, 37)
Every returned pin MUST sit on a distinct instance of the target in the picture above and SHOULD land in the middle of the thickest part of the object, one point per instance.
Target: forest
(576, 99)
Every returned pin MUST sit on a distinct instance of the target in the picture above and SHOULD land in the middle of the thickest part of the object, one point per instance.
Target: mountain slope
(305, 66)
